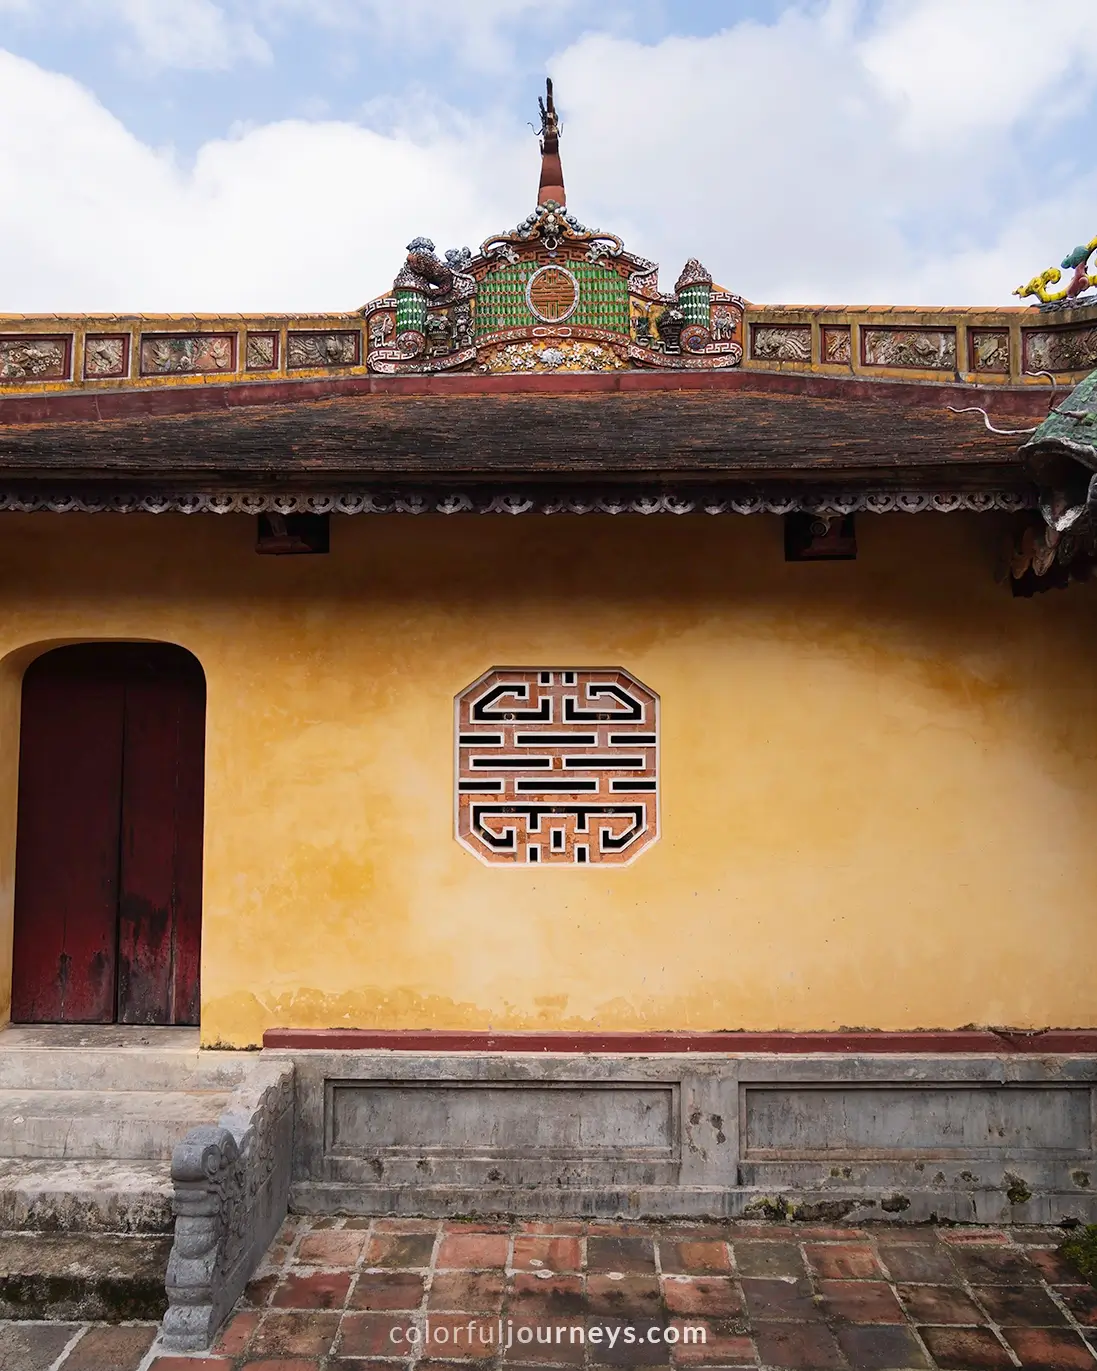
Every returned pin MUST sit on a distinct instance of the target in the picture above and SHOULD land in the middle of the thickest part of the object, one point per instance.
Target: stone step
(82, 1276)
(141, 1125)
(41, 1195)
(107, 1057)
(97, 1070)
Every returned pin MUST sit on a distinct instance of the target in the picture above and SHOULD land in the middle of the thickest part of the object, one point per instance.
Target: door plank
(159, 915)
(66, 864)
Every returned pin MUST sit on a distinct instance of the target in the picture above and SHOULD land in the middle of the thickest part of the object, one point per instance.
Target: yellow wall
(879, 778)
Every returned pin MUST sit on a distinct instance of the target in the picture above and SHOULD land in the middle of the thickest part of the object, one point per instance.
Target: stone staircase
(89, 1116)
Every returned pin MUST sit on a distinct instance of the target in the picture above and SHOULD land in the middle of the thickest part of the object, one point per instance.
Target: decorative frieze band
(517, 502)
(981, 347)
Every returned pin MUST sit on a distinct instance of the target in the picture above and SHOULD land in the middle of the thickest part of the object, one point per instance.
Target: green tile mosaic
(501, 298)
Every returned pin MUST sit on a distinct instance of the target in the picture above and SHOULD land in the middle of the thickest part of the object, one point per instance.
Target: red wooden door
(108, 869)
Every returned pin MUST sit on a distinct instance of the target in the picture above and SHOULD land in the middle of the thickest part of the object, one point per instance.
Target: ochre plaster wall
(879, 778)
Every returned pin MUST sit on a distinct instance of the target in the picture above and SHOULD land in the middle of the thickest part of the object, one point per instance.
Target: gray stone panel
(504, 1119)
(947, 1120)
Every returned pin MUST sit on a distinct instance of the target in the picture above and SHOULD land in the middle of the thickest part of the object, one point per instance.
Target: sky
(278, 155)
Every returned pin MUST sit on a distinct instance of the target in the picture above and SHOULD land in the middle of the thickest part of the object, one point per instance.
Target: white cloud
(189, 34)
(798, 159)
(787, 157)
(478, 35)
(956, 69)
(293, 215)
(154, 35)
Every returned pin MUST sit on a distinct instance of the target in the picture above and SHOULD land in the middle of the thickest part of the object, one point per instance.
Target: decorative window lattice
(502, 301)
(557, 767)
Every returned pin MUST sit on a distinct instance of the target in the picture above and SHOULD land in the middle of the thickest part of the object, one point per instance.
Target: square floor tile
(624, 1296)
(1050, 1349)
(780, 1299)
(685, 1258)
(768, 1259)
(927, 1263)
(633, 1256)
(377, 1335)
(389, 1290)
(472, 1290)
(881, 1349)
(1019, 1305)
(608, 1343)
(544, 1341)
(401, 1250)
(318, 1290)
(303, 1334)
(715, 1296)
(1081, 1300)
(965, 1349)
(860, 1301)
(805, 1347)
(939, 1304)
(995, 1266)
(561, 1253)
(473, 1251)
(335, 1247)
(847, 1261)
(118, 1348)
(529, 1297)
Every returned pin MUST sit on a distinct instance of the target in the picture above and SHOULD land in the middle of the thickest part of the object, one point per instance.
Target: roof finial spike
(552, 172)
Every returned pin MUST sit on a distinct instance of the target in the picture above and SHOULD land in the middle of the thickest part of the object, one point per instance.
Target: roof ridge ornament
(1079, 284)
(550, 294)
(551, 187)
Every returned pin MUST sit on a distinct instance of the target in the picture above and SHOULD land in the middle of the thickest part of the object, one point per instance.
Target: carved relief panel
(780, 342)
(35, 357)
(166, 354)
(106, 355)
(927, 349)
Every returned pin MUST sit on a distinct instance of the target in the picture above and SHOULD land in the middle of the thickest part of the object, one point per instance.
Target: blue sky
(278, 154)
(330, 61)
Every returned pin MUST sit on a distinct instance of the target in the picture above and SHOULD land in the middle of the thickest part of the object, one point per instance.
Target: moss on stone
(1080, 1249)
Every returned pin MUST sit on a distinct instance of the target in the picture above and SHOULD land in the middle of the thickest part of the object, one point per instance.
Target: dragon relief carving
(231, 1183)
(336, 349)
(922, 349)
(788, 343)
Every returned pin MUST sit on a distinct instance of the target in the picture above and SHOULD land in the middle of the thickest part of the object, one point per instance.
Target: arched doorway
(108, 861)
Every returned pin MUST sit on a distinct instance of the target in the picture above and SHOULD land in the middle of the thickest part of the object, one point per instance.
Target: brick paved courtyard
(361, 1295)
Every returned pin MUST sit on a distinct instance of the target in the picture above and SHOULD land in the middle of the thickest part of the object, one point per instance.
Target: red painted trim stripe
(996, 1041)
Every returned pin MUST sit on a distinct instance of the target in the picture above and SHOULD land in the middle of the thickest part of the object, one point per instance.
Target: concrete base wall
(980, 1138)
